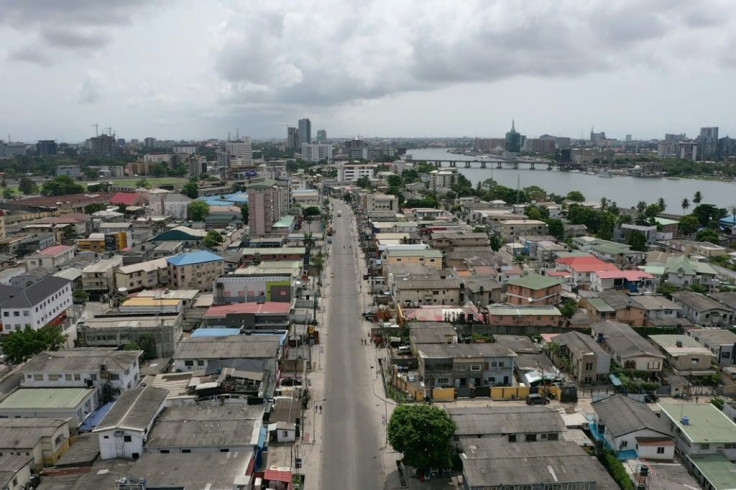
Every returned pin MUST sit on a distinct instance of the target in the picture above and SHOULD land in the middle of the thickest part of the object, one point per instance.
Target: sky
(190, 69)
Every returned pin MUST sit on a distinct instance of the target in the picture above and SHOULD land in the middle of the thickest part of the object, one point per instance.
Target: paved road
(352, 431)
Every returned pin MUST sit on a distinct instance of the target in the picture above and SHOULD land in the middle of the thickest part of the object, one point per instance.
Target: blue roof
(95, 417)
(190, 258)
(234, 199)
(215, 332)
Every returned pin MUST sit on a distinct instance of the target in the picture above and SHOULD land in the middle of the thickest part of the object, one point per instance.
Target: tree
(662, 205)
(190, 189)
(496, 242)
(8, 193)
(568, 307)
(684, 205)
(556, 228)
(21, 345)
(422, 433)
(27, 186)
(80, 296)
(637, 240)
(707, 235)
(697, 197)
(61, 186)
(688, 224)
(245, 211)
(198, 210)
(146, 343)
(310, 212)
(212, 239)
(94, 207)
(576, 196)
(708, 213)
(364, 182)
(160, 170)
(143, 183)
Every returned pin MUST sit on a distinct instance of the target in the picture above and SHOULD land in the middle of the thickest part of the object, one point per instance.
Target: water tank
(644, 470)
(685, 420)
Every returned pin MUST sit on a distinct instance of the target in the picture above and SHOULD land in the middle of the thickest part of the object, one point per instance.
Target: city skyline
(442, 70)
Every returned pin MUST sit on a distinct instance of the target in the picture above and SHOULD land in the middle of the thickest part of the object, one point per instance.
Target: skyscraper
(46, 147)
(292, 137)
(321, 136)
(305, 132)
(708, 143)
(513, 140)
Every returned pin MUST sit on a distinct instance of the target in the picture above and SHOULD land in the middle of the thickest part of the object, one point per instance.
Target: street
(352, 430)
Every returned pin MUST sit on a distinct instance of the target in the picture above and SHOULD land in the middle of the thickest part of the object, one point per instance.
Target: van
(404, 349)
(536, 399)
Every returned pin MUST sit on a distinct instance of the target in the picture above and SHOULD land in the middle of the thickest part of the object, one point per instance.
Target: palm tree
(685, 204)
(661, 203)
(697, 197)
(604, 203)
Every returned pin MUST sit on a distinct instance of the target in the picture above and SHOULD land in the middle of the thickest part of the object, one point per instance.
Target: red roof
(587, 263)
(558, 273)
(277, 475)
(271, 307)
(126, 198)
(628, 275)
(56, 249)
(70, 199)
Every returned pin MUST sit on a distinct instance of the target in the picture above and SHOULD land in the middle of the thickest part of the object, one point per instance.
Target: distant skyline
(184, 69)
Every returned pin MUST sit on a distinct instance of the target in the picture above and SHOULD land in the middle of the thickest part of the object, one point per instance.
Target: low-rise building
(250, 316)
(378, 206)
(427, 256)
(684, 354)
(524, 316)
(533, 290)
(42, 303)
(449, 240)
(51, 257)
(195, 270)
(15, 472)
(699, 429)
(196, 470)
(629, 349)
(109, 371)
(117, 331)
(143, 275)
(514, 424)
(99, 278)
(510, 230)
(628, 424)
(413, 292)
(123, 431)
(271, 254)
(465, 366)
(720, 342)
(45, 439)
(702, 310)
(67, 403)
(586, 360)
(196, 353)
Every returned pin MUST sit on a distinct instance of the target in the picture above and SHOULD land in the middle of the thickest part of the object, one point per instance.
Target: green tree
(212, 239)
(688, 224)
(394, 181)
(160, 170)
(8, 193)
(697, 197)
(576, 196)
(310, 212)
(684, 205)
(707, 235)
(198, 210)
(422, 433)
(496, 242)
(21, 345)
(568, 307)
(143, 183)
(245, 211)
(556, 228)
(662, 205)
(636, 240)
(61, 186)
(708, 213)
(27, 186)
(80, 296)
(94, 207)
(190, 189)
(146, 343)
(364, 182)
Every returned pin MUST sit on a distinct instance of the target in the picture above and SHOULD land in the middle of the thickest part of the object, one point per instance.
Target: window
(186, 451)
(660, 450)
(551, 437)
(512, 437)
(500, 363)
(127, 439)
(588, 366)
(38, 377)
(443, 381)
(475, 367)
(460, 367)
(26, 313)
(705, 446)
(77, 377)
(531, 437)
(16, 313)
(623, 444)
(189, 363)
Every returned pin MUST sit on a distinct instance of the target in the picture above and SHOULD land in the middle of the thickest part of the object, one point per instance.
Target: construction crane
(96, 126)
(109, 130)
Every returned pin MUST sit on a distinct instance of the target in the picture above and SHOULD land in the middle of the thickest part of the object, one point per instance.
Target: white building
(351, 172)
(123, 432)
(241, 150)
(51, 257)
(110, 370)
(143, 275)
(315, 152)
(175, 205)
(185, 149)
(442, 180)
(42, 303)
(700, 429)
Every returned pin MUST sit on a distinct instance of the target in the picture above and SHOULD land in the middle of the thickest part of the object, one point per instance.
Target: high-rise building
(150, 142)
(316, 152)
(513, 140)
(292, 138)
(305, 131)
(264, 208)
(321, 136)
(242, 150)
(628, 138)
(103, 145)
(46, 147)
(708, 143)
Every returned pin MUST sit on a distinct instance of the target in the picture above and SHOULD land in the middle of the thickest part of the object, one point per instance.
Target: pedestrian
(696, 398)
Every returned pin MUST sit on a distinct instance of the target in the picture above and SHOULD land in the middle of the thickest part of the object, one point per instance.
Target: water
(625, 191)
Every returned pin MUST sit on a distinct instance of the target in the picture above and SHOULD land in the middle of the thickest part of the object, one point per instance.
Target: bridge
(500, 164)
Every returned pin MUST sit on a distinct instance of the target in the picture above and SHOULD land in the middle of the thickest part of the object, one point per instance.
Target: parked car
(536, 399)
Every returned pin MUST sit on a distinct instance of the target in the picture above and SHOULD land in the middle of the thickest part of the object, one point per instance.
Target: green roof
(530, 311)
(284, 222)
(534, 281)
(611, 247)
(41, 398)
(665, 221)
(600, 305)
(717, 469)
(706, 424)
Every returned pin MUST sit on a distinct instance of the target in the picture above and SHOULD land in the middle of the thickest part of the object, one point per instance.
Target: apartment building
(351, 172)
(99, 278)
(51, 257)
(143, 275)
(195, 270)
(42, 303)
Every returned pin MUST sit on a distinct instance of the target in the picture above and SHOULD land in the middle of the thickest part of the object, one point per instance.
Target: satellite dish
(530, 299)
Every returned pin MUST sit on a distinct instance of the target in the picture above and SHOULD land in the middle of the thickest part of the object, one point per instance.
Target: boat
(605, 174)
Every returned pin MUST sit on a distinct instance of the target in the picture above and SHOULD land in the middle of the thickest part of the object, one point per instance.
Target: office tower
(292, 138)
(708, 142)
(103, 145)
(264, 208)
(242, 150)
(321, 136)
(513, 140)
(316, 152)
(46, 147)
(305, 131)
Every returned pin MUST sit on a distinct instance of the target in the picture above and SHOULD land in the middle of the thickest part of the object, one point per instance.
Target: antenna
(96, 126)
(237, 134)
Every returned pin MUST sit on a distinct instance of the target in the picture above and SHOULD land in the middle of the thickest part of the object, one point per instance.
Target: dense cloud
(330, 52)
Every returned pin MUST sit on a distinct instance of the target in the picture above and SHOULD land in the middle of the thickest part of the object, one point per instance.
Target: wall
(109, 445)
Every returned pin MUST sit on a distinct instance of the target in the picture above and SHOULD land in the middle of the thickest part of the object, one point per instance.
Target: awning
(614, 379)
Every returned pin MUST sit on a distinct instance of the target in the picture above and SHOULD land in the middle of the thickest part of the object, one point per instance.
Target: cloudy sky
(186, 69)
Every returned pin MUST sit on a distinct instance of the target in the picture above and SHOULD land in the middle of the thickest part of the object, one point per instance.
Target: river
(625, 191)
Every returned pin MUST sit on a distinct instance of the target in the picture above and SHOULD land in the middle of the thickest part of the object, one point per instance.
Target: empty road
(352, 430)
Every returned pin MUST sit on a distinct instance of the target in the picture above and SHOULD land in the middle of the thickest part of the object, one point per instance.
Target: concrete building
(348, 173)
(465, 366)
(513, 424)
(99, 278)
(432, 258)
(71, 170)
(47, 147)
(66, 403)
(588, 361)
(195, 270)
(442, 180)
(292, 138)
(264, 208)
(143, 275)
(316, 152)
(702, 310)
(123, 431)
(721, 343)
(241, 150)
(379, 205)
(305, 131)
(511, 230)
(250, 316)
(684, 354)
(630, 425)
(15, 472)
(196, 470)
(45, 439)
(42, 303)
(700, 429)
(121, 330)
(51, 257)
(257, 288)
(414, 292)
(533, 290)
(175, 205)
(196, 353)
(524, 316)
(629, 349)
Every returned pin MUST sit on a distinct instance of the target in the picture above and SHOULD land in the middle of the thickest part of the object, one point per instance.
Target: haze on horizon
(184, 69)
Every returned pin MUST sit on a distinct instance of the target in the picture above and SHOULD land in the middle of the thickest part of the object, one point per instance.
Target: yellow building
(96, 241)
(430, 257)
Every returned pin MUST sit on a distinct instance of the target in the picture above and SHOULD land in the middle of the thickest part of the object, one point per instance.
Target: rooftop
(501, 310)
(706, 424)
(579, 343)
(252, 308)
(45, 398)
(147, 266)
(82, 359)
(679, 345)
(717, 469)
(499, 420)
(35, 293)
(191, 258)
(26, 432)
(623, 415)
(56, 250)
(201, 470)
(134, 410)
(587, 263)
(232, 347)
(714, 336)
(624, 341)
(697, 301)
(427, 252)
(464, 351)
(534, 282)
